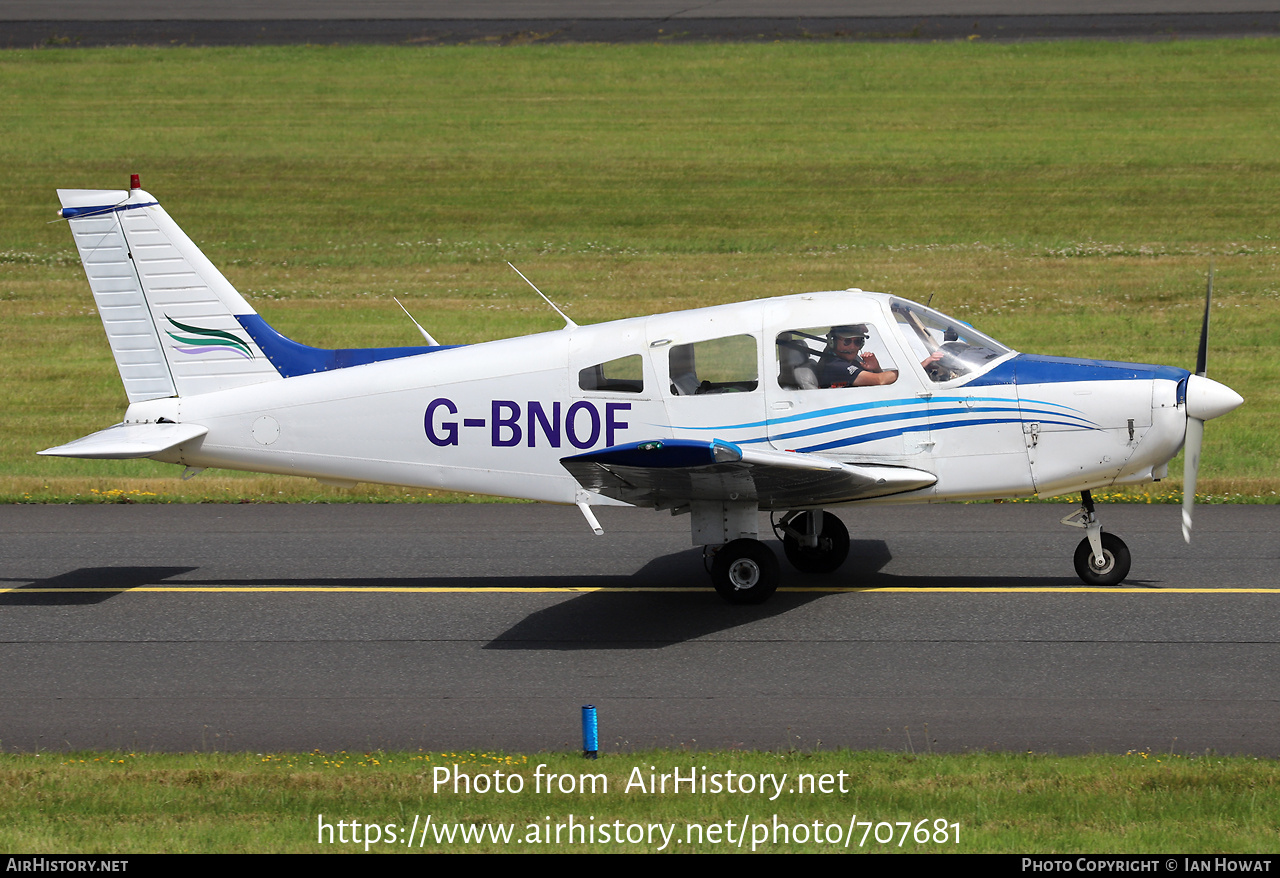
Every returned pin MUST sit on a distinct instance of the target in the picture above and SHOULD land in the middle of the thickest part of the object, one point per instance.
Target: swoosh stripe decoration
(207, 340)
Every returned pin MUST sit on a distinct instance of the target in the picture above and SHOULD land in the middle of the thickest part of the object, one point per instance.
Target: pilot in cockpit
(843, 364)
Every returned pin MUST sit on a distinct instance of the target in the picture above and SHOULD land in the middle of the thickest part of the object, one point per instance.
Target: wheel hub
(744, 573)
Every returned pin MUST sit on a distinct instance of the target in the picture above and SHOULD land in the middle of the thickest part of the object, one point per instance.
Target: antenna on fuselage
(568, 324)
(431, 341)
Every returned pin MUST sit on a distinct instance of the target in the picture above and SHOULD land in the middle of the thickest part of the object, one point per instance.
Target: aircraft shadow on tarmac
(672, 602)
(655, 620)
(87, 585)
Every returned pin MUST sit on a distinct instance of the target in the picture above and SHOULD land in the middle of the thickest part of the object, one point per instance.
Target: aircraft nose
(1207, 399)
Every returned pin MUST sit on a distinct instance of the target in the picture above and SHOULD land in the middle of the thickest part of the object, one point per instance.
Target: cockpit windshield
(946, 347)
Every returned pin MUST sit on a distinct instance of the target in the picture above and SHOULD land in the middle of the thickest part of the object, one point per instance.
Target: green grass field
(1141, 802)
(1066, 197)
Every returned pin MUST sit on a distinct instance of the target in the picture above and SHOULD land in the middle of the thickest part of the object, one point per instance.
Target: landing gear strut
(743, 569)
(1101, 558)
(814, 542)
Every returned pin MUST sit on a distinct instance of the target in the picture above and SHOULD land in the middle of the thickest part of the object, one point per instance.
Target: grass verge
(1142, 802)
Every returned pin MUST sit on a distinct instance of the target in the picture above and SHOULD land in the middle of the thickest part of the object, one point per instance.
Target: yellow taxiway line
(376, 589)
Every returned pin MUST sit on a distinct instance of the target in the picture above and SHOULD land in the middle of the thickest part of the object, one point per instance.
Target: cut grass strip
(1143, 802)
(1066, 197)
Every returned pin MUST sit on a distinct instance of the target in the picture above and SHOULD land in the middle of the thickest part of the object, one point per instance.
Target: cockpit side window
(947, 348)
(623, 375)
(835, 355)
(718, 365)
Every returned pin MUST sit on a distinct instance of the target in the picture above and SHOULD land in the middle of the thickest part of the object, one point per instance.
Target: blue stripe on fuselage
(1026, 369)
(292, 359)
(1023, 370)
(923, 428)
(879, 404)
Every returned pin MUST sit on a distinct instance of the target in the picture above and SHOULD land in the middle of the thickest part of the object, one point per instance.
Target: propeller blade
(1191, 468)
(1202, 355)
(1195, 426)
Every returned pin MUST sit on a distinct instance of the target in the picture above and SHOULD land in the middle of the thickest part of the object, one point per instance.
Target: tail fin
(169, 314)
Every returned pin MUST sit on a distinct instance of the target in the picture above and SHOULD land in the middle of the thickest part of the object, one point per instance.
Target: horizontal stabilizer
(671, 472)
(128, 441)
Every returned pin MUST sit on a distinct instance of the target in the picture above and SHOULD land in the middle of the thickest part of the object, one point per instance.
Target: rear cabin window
(718, 365)
(623, 375)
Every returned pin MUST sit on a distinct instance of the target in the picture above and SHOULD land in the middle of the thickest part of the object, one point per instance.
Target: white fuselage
(497, 418)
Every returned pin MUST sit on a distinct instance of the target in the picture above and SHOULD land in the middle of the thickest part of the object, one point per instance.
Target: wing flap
(671, 472)
(128, 441)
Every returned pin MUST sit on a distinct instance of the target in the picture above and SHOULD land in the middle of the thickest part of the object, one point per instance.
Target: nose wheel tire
(745, 572)
(828, 555)
(1115, 561)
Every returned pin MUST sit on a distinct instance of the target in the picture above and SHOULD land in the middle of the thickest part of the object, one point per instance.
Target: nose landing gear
(1101, 558)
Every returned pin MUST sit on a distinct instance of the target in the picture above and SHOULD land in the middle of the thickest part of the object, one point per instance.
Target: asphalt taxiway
(349, 627)
(264, 627)
(70, 23)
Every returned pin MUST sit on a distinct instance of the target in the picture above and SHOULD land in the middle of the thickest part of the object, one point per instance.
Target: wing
(666, 473)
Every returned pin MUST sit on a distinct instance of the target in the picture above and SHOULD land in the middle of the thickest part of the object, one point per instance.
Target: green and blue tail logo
(205, 341)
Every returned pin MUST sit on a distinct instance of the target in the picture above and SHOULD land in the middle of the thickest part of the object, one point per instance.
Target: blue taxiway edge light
(590, 732)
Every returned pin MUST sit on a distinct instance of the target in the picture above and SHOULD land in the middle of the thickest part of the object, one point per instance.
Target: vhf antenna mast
(568, 324)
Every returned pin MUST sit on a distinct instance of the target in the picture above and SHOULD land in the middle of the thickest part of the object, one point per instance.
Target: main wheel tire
(745, 572)
(1116, 560)
(828, 555)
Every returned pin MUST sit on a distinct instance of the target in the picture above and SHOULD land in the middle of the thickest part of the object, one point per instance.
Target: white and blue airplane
(791, 405)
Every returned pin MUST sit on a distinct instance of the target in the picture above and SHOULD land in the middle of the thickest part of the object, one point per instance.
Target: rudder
(169, 314)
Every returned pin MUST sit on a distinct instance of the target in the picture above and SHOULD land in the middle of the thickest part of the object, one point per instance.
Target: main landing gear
(1101, 558)
(814, 542)
(745, 570)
